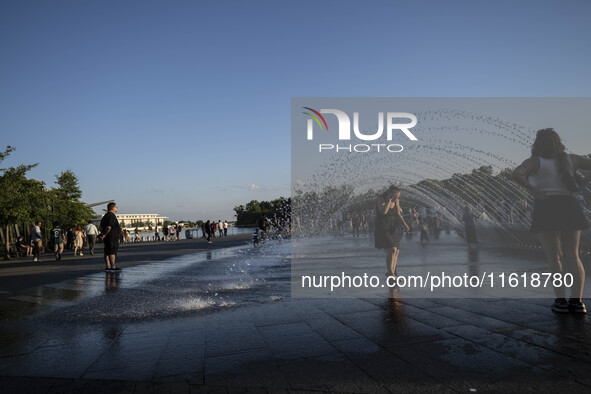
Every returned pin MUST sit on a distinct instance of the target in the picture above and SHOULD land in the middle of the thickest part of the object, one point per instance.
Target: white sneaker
(35, 260)
(81, 254)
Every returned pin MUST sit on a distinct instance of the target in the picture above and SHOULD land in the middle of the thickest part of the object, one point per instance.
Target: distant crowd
(74, 238)
(79, 239)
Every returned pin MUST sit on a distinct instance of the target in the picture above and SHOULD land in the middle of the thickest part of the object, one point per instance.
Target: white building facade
(141, 220)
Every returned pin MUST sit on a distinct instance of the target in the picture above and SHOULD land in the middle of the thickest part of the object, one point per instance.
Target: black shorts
(558, 213)
(111, 246)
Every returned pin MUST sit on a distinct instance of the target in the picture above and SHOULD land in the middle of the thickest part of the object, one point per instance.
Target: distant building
(140, 219)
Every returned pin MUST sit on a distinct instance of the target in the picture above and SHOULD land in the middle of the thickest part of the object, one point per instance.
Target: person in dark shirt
(58, 236)
(70, 239)
(110, 235)
(208, 231)
(20, 245)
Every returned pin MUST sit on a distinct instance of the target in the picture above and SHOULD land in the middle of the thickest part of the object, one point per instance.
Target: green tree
(67, 209)
(22, 200)
(249, 213)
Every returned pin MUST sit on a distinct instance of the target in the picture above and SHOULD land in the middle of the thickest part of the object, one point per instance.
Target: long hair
(548, 145)
(391, 191)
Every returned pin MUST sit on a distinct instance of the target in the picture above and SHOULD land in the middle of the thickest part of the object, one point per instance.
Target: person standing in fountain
(110, 235)
(557, 217)
(470, 226)
(388, 218)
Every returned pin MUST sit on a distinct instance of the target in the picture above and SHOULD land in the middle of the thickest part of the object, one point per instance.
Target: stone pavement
(318, 345)
(355, 345)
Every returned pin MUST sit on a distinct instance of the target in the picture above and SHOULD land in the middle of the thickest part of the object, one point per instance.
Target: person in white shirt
(225, 228)
(91, 234)
(557, 217)
(37, 241)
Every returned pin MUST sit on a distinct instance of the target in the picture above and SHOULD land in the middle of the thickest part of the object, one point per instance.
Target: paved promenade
(240, 331)
(22, 273)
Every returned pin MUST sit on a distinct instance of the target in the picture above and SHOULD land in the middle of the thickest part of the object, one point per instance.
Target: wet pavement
(224, 321)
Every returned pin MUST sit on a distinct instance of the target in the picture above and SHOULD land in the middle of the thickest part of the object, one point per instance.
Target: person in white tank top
(547, 178)
(557, 216)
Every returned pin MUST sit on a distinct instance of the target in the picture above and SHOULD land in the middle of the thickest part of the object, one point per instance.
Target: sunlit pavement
(223, 321)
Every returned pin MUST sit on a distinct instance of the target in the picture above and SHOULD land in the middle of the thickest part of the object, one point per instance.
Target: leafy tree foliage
(249, 213)
(24, 201)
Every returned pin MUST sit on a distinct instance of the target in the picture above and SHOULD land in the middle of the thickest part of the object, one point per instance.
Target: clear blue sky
(179, 107)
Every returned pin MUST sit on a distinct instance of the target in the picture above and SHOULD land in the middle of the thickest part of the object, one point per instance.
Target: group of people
(211, 229)
(550, 174)
(276, 227)
(169, 233)
(357, 222)
(75, 238)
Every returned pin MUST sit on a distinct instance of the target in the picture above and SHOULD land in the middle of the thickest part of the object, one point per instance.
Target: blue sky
(183, 107)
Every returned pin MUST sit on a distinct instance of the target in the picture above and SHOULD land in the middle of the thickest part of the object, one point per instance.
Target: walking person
(220, 228)
(225, 228)
(255, 237)
(355, 223)
(388, 219)
(78, 240)
(70, 238)
(557, 217)
(179, 229)
(91, 233)
(339, 218)
(110, 235)
(208, 231)
(424, 229)
(59, 238)
(37, 241)
(415, 216)
(470, 226)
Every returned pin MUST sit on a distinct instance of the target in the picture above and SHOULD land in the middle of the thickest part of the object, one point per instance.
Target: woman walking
(557, 217)
(78, 240)
(388, 219)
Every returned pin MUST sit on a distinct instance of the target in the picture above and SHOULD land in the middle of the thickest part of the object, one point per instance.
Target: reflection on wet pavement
(225, 318)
